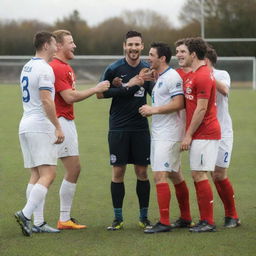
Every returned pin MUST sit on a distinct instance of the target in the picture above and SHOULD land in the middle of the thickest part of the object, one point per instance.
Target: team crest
(166, 165)
(112, 158)
(160, 84)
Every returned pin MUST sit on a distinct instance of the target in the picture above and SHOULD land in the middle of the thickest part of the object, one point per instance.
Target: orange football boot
(70, 224)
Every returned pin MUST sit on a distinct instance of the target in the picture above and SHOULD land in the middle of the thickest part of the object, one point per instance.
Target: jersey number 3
(26, 94)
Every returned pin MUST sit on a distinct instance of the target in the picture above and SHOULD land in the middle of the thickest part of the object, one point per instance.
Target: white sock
(39, 214)
(67, 191)
(36, 196)
(39, 211)
(29, 188)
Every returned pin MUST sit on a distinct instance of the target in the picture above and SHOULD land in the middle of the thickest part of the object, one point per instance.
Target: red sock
(182, 195)
(163, 198)
(205, 200)
(226, 193)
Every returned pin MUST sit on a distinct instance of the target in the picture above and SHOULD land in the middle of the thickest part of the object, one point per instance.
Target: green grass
(92, 204)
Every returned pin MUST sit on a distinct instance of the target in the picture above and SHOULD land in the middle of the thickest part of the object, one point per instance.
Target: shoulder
(44, 67)
(172, 75)
(221, 74)
(59, 67)
(144, 64)
(116, 64)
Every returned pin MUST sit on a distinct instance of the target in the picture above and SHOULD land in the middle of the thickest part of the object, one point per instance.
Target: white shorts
(69, 147)
(38, 149)
(203, 155)
(165, 156)
(224, 153)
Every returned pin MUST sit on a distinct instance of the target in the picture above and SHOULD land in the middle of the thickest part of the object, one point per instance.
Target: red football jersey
(64, 80)
(182, 74)
(201, 85)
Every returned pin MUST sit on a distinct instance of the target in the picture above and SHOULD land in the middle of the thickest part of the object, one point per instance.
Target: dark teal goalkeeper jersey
(125, 103)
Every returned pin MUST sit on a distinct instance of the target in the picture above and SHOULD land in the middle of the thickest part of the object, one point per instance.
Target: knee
(142, 176)
(160, 177)
(141, 172)
(199, 176)
(218, 175)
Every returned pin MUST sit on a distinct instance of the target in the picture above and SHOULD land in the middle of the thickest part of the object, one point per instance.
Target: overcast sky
(93, 11)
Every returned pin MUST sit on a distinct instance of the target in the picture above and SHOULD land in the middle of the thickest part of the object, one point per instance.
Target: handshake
(146, 74)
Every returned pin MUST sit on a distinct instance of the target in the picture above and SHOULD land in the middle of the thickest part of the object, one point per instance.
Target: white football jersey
(222, 104)
(167, 126)
(36, 75)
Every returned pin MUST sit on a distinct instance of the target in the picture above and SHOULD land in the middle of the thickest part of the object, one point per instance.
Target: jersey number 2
(226, 157)
(26, 94)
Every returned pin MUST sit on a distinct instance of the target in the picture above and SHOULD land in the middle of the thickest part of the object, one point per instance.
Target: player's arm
(70, 96)
(126, 90)
(177, 103)
(222, 87)
(196, 120)
(49, 108)
(223, 83)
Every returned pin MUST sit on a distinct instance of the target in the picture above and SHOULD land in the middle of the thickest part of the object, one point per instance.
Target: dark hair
(180, 42)
(162, 50)
(211, 54)
(197, 45)
(41, 38)
(132, 33)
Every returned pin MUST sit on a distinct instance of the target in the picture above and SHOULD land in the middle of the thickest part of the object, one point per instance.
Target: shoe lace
(74, 220)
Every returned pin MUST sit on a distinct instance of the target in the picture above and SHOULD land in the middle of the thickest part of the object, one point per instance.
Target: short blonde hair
(59, 34)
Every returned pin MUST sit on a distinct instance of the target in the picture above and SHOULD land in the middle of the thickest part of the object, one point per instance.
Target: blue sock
(143, 213)
(118, 214)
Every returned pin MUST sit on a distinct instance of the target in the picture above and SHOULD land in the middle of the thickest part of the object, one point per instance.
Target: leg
(163, 199)
(67, 192)
(226, 193)
(143, 193)
(37, 195)
(68, 186)
(205, 202)
(39, 211)
(163, 196)
(182, 195)
(117, 194)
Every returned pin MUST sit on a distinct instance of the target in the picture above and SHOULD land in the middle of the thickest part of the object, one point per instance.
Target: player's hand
(185, 144)
(59, 135)
(146, 110)
(117, 82)
(148, 74)
(102, 86)
(136, 80)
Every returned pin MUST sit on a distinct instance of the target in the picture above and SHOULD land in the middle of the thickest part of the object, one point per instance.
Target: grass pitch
(92, 203)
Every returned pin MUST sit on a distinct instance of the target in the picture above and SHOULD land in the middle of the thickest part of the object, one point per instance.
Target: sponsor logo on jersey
(140, 92)
(188, 90)
(178, 85)
(122, 76)
(72, 78)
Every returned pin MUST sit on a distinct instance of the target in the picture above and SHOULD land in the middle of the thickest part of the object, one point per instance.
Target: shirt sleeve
(175, 85)
(224, 77)
(46, 81)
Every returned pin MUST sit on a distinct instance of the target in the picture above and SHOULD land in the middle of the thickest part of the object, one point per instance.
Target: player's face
(68, 47)
(183, 56)
(133, 47)
(153, 59)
